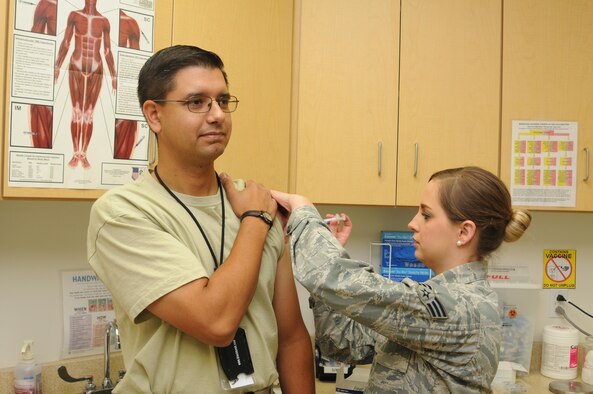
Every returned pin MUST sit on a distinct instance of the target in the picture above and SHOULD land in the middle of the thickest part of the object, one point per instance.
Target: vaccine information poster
(87, 308)
(543, 163)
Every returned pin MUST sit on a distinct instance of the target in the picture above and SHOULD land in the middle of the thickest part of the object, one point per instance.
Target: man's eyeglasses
(201, 104)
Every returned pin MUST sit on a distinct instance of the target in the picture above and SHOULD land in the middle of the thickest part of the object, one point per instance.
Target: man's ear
(467, 231)
(151, 114)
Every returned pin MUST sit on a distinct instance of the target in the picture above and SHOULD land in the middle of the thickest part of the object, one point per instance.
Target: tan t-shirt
(143, 244)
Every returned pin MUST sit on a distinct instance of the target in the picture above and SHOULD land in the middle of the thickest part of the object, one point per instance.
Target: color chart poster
(543, 163)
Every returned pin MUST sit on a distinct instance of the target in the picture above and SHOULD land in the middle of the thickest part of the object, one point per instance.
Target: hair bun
(519, 222)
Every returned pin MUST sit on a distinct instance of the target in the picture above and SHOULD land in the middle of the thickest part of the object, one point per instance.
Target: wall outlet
(554, 303)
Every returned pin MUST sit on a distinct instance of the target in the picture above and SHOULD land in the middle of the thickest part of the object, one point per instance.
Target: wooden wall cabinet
(254, 39)
(449, 111)
(345, 105)
(443, 113)
(547, 63)
(358, 102)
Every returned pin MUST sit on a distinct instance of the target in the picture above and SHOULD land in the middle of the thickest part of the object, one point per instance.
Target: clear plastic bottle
(27, 373)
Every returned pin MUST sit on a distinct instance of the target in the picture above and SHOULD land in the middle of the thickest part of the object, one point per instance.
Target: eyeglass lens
(204, 103)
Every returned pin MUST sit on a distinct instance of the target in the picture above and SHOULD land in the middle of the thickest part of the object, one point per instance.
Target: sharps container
(560, 352)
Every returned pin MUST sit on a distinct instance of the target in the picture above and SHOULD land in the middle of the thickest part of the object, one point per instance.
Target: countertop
(533, 383)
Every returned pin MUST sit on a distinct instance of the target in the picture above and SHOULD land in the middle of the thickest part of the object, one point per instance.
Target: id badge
(235, 363)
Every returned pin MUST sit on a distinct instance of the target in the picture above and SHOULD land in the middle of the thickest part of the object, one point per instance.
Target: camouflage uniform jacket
(438, 336)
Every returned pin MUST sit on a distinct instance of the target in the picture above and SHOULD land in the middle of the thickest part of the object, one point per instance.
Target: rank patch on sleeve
(428, 297)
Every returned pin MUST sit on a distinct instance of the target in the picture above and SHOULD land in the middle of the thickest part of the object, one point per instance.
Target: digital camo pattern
(418, 349)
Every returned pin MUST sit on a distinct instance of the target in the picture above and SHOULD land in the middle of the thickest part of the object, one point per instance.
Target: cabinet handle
(586, 164)
(380, 157)
(415, 159)
(152, 160)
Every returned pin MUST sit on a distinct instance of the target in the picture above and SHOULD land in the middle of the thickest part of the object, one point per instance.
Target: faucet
(110, 328)
(90, 387)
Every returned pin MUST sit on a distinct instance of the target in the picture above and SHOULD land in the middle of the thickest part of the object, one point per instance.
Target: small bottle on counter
(587, 371)
(27, 373)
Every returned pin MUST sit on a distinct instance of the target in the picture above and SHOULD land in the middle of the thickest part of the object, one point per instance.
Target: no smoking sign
(559, 269)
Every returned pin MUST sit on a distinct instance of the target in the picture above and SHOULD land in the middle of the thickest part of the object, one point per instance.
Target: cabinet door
(449, 90)
(346, 101)
(547, 63)
(254, 39)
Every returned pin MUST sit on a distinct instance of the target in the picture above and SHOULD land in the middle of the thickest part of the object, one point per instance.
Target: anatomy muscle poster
(74, 118)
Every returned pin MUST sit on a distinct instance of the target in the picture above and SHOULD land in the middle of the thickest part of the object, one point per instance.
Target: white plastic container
(560, 352)
(27, 373)
(587, 371)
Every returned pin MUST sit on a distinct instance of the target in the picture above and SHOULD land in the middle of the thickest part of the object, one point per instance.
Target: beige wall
(39, 239)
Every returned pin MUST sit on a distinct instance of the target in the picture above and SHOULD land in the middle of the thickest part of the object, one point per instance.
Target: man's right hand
(255, 197)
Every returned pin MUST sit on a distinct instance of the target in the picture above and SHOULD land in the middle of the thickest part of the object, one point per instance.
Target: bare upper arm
(286, 303)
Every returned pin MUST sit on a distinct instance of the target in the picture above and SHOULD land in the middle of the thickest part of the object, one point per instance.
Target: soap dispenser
(27, 373)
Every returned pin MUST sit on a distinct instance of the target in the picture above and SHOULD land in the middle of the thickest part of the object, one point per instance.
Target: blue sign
(403, 263)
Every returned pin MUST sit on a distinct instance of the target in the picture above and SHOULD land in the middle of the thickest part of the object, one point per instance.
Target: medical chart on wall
(87, 308)
(74, 117)
(543, 163)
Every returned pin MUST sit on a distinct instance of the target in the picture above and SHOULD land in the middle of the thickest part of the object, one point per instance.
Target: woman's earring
(459, 243)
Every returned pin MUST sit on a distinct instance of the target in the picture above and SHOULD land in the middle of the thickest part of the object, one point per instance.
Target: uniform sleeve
(426, 319)
(340, 337)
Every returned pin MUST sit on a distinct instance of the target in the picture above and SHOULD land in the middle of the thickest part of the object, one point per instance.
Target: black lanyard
(216, 264)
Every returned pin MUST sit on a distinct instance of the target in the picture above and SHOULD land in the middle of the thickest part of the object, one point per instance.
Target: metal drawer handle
(415, 159)
(380, 157)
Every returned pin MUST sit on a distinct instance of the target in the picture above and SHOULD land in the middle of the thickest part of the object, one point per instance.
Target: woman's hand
(340, 228)
(290, 202)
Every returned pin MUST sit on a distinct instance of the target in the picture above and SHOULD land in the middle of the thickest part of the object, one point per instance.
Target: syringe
(336, 218)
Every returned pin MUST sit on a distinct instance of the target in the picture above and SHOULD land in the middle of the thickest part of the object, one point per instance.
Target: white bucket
(560, 352)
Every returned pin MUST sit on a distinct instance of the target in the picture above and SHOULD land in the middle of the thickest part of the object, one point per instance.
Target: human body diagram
(91, 32)
(41, 116)
(75, 121)
(126, 130)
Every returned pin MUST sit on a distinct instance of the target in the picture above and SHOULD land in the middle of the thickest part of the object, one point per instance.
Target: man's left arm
(295, 355)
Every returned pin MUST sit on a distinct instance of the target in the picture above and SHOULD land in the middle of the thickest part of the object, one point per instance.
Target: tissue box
(355, 383)
(507, 372)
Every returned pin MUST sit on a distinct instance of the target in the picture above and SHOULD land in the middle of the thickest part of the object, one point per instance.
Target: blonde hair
(519, 223)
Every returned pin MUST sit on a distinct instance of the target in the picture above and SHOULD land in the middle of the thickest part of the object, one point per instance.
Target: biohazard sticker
(560, 268)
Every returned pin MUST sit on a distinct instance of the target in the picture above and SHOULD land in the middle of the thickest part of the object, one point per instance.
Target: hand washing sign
(560, 268)
(87, 307)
